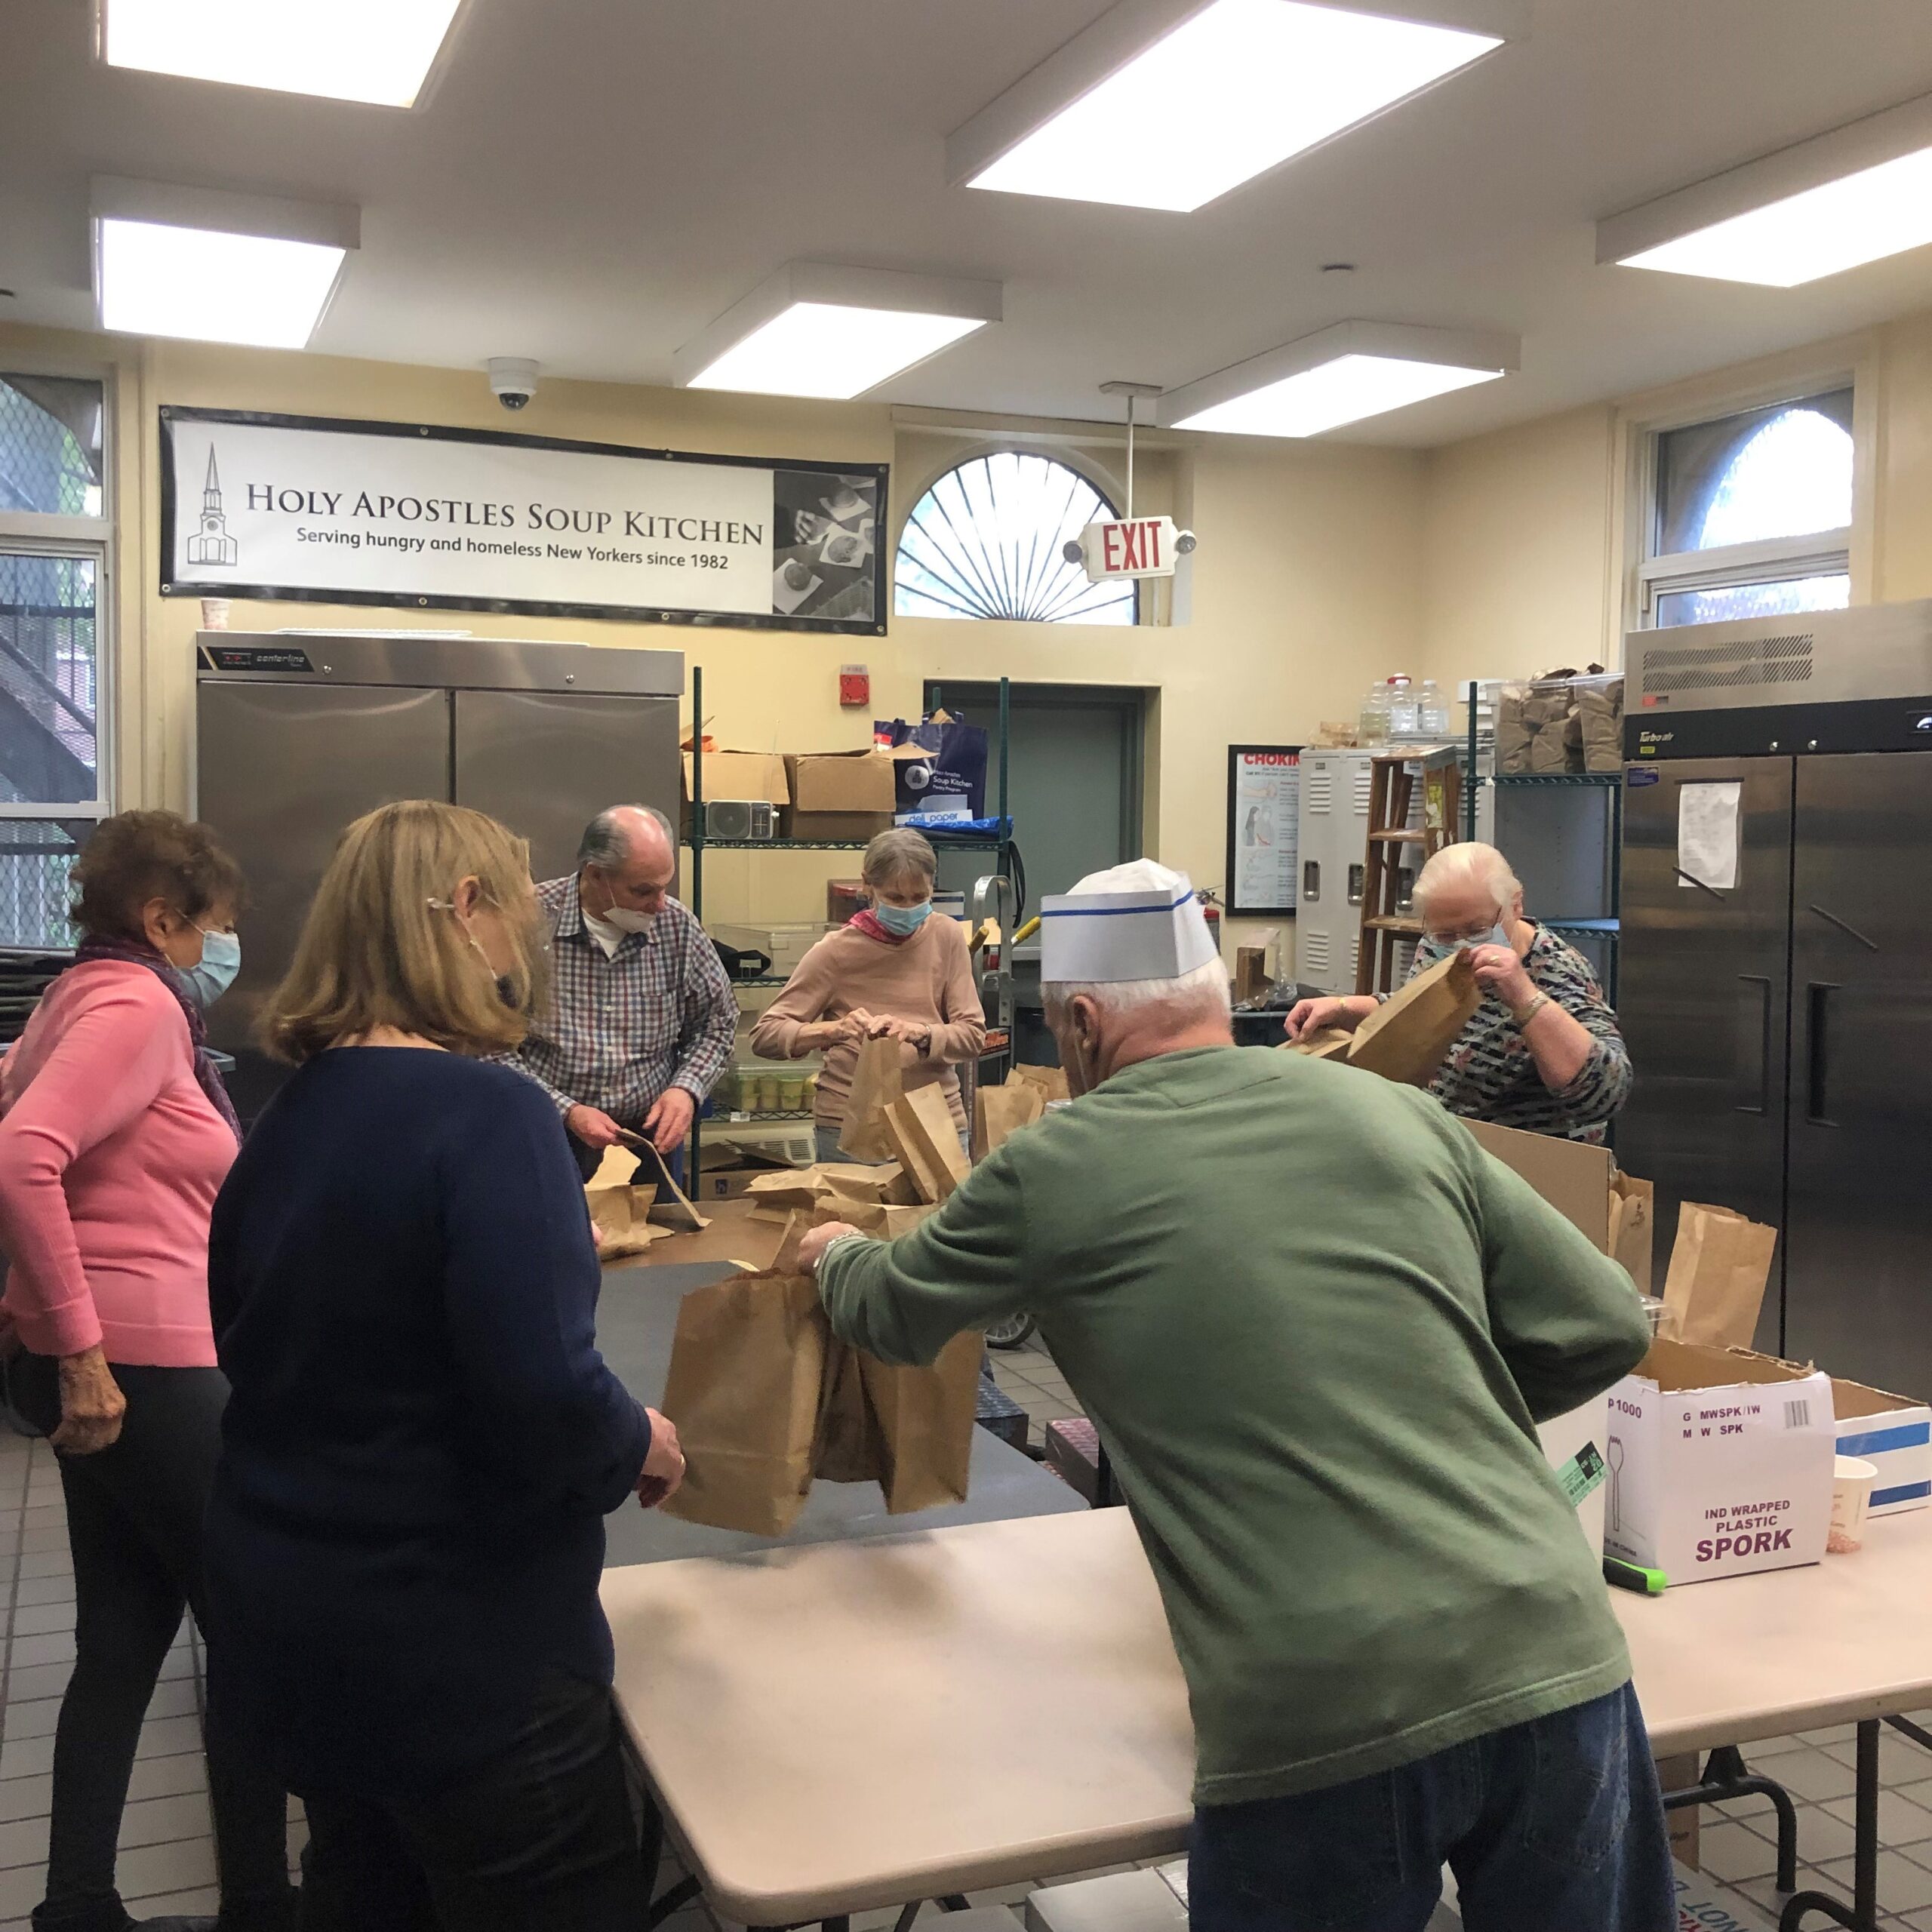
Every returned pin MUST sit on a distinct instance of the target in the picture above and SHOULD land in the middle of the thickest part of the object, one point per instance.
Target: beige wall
(1305, 586)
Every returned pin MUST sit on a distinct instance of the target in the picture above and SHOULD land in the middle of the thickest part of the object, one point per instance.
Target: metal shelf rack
(999, 843)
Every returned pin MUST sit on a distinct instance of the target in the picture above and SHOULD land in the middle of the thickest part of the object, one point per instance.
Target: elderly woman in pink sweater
(116, 1135)
(892, 970)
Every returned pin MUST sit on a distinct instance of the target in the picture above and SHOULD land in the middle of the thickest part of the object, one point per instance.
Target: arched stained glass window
(986, 541)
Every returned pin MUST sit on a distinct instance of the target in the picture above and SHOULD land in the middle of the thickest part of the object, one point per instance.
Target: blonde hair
(900, 851)
(383, 945)
(1469, 863)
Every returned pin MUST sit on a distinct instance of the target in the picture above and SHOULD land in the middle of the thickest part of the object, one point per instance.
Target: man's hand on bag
(91, 1404)
(669, 1121)
(816, 1241)
(595, 1129)
(664, 1467)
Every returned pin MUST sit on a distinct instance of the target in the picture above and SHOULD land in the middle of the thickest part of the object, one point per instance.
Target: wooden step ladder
(1391, 805)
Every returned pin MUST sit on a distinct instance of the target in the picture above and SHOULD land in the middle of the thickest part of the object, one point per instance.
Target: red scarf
(867, 922)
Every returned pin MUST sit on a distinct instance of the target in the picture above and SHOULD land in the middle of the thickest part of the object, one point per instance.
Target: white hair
(1469, 864)
(1202, 993)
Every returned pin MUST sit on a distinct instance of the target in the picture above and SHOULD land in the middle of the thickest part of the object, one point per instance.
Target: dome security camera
(512, 379)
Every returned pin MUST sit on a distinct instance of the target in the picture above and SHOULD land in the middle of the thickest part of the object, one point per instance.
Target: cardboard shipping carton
(1575, 1179)
(1720, 1463)
(738, 775)
(783, 944)
(838, 795)
(1895, 1433)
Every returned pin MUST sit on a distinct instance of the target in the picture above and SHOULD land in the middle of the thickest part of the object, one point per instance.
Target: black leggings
(134, 1515)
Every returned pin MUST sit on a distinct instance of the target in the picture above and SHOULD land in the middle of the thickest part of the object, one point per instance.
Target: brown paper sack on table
(620, 1210)
(824, 1182)
(1405, 1038)
(669, 1208)
(885, 1221)
(921, 1127)
(747, 1363)
(1632, 1210)
(999, 1112)
(876, 1083)
(1051, 1081)
(924, 1418)
(1716, 1285)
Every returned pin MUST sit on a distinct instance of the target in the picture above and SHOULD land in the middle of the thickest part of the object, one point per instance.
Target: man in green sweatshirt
(1316, 1326)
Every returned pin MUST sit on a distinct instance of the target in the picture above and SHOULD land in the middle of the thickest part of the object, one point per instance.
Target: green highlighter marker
(1634, 1576)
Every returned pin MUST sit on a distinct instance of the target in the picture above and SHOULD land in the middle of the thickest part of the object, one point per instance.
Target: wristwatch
(1530, 1011)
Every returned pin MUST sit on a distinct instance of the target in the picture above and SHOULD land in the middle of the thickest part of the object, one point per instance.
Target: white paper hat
(1136, 921)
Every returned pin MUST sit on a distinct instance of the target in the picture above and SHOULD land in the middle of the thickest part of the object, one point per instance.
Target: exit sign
(1130, 547)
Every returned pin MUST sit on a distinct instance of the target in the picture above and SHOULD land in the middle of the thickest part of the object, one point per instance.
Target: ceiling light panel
(381, 51)
(1343, 374)
(215, 267)
(814, 329)
(1855, 195)
(1179, 112)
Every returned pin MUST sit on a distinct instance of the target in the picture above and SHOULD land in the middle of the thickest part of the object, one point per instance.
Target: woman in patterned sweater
(1542, 1052)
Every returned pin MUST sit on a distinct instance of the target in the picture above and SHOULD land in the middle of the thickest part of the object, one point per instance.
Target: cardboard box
(726, 1183)
(783, 944)
(1574, 1179)
(838, 795)
(1720, 1463)
(738, 775)
(1895, 1433)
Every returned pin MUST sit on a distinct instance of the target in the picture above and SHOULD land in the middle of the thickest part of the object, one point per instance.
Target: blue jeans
(1554, 1826)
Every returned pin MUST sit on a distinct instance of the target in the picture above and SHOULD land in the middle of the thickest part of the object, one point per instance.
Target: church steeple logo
(212, 543)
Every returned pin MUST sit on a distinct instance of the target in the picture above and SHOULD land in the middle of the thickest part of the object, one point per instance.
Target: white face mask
(626, 920)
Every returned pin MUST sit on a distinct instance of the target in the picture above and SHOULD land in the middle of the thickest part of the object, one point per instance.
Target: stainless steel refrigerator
(299, 733)
(1776, 987)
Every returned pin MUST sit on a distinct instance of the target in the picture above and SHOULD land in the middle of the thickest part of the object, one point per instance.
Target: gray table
(636, 1319)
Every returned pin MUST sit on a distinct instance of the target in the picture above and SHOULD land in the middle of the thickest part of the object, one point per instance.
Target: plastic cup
(1852, 1478)
(1653, 1312)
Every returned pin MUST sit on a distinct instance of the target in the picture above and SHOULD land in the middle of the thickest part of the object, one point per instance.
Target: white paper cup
(1852, 1478)
(214, 613)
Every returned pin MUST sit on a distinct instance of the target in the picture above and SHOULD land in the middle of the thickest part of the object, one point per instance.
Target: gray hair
(605, 844)
(901, 850)
(1470, 863)
(1202, 994)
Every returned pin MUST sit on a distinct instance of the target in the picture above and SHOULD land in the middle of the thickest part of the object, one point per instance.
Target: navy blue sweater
(422, 1441)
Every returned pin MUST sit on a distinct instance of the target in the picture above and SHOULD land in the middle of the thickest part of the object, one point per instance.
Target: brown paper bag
(925, 1114)
(1716, 1285)
(884, 1221)
(619, 1210)
(823, 1183)
(925, 1417)
(670, 1209)
(1632, 1206)
(999, 1112)
(1327, 1043)
(1051, 1081)
(848, 1446)
(1599, 712)
(747, 1368)
(927, 1183)
(876, 1083)
(1405, 1038)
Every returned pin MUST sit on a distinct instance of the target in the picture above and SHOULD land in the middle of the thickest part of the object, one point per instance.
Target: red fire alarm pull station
(855, 685)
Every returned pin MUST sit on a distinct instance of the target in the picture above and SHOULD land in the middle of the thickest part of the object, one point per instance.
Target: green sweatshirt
(1316, 1324)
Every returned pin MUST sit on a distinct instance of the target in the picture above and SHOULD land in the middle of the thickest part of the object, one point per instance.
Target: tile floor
(167, 1853)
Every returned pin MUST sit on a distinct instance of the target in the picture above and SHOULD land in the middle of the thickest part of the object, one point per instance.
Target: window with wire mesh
(49, 678)
(1752, 513)
(36, 857)
(987, 540)
(50, 445)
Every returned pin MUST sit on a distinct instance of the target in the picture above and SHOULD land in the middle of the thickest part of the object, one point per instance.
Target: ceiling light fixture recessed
(1337, 375)
(379, 51)
(1842, 198)
(814, 329)
(1235, 87)
(213, 267)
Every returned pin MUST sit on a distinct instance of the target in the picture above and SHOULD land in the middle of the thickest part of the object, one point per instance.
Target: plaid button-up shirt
(622, 1027)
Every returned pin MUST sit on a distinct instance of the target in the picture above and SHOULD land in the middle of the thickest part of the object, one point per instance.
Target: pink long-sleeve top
(110, 1157)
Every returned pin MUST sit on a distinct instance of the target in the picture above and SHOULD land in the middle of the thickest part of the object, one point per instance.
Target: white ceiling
(594, 180)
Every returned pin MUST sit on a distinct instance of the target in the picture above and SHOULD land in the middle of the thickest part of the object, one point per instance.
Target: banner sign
(1264, 827)
(309, 509)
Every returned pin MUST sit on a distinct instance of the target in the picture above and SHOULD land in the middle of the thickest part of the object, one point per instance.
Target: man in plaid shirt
(641, 1019)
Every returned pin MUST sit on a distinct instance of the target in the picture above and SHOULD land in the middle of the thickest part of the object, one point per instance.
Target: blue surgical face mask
(902, 921)
(1433, 948)
(212, 977)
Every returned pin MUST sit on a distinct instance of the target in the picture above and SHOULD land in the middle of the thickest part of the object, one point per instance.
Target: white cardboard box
(1720, 1464)
(1893, 1432)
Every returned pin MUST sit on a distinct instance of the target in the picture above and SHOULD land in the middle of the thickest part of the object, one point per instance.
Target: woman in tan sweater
(892, 970)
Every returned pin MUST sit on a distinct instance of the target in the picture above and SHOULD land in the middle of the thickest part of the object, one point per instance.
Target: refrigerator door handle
(1754, 1041)
(1817, 995)
(1845, 926)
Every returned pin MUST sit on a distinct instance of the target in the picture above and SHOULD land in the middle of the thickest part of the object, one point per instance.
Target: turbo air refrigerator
(299, 733)
(1776, 987)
